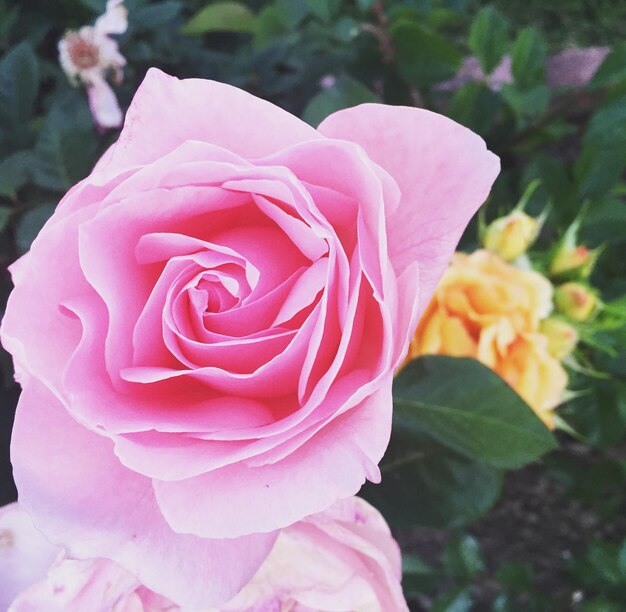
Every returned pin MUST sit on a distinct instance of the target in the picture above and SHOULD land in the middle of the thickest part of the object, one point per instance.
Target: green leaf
(475, 106)
(426, 484)
(466, 406)
(221, 17)
(607, 127)
(365, 5)
(489, 37)
(552, 132)
(597, 416)
(462, 557)
(19, 83)
(503, 603)
(457, 601)
(9, 16)
(5, 215)
(556, 182)
(97, 6)
(154, 15)
(556, 185)
(324, 9)
(269, 26)
(293, 12)
(443, 18)
(66, 147)
(345, 29)
(621, 558)
(417, 576)
(30, 224)
(597, 169)
(422, 56)
(515, 577)
(15, 171)
(600, 604)
(613, 69)
(346, 92)
(528, 57)
(526, 104)
(412, 564)
(603, 557)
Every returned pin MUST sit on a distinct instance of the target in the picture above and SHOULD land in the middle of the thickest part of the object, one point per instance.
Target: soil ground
(536, 521)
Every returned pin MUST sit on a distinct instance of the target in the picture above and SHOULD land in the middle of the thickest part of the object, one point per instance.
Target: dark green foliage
(457, 426)
(465, 406)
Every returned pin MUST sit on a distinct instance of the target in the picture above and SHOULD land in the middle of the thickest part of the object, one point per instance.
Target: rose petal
(444, 172)
(103, 104)
(33, 309)
(345, 168)
(94, 584)
(95, 401)
(107, 246)
(359, 526)
(58, 462)
(166, 112)
(114, 20)
(264, 499)
(25, 555)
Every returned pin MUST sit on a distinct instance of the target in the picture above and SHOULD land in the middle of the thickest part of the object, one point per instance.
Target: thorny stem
(379, 30)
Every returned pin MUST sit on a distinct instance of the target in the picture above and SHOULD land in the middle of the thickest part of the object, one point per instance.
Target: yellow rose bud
(510, 236)
(572, 260)
(562, 337)
(576, 301)
(575, 262)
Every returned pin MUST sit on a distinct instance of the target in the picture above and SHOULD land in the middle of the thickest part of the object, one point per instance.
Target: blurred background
(544, 82)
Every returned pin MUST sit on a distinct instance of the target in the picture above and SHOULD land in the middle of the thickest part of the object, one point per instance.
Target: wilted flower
(328, 81)
(575, 300)
(569, 68)
(88, 56)
(562, 337)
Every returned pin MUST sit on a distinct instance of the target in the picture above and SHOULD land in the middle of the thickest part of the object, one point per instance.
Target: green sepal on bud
(570, 260)
(562, 337)
(576, 301)
(574, 263)
(510, 236)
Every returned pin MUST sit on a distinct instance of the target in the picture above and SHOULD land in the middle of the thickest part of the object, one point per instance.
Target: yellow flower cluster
(492, 311)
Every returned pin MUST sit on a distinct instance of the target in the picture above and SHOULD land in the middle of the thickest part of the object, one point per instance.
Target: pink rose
(207, 328)
(342, 559)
